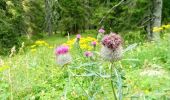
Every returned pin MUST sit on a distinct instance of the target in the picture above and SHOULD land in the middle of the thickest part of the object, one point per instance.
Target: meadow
(33, 72)
(84, 50)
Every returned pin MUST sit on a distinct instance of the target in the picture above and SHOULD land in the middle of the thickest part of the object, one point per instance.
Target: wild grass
(35, 75)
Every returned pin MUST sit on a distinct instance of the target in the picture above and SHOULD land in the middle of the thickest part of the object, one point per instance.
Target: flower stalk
(111, 75)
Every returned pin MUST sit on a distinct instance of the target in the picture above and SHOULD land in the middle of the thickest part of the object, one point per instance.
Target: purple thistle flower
(101, 30)
(112, 41)
(62, 50)
(88, 54)
(63, 56)
(94, 43)
(112, 47)
(78, 36)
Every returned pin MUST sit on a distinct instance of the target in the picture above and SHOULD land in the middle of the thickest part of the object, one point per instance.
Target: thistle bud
(94, 43)
(101, 30)
(78, 36)
(88, 54)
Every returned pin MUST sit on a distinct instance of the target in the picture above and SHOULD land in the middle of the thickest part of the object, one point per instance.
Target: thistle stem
(111, 74)
(119, 81)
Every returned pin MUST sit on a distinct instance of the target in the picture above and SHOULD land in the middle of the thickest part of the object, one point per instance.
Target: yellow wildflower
(157, 29)
(146, 91)
(85, 43)
(4, 68)
(33, 50)
(33, 46)
(50, 47)
(166, 26)
(41, 42)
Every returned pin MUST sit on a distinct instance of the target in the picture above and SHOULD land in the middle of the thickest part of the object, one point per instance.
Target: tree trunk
(157, 14)
(48, 17)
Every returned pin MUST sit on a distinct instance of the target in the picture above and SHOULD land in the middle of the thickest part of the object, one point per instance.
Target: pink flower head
(94, 43)
(112, 41)
(88, 54)
(101, 30)
(62, 50)
(78, 36)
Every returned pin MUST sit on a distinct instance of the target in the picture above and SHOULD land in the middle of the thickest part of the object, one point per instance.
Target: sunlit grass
(35, 75)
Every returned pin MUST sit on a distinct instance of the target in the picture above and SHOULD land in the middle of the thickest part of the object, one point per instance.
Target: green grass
(35, 75)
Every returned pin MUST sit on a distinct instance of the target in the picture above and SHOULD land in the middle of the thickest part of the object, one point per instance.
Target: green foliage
(72, 15)
(34, 16)
(166, 11)
(147, 54)
(135, 36)
(11, 27)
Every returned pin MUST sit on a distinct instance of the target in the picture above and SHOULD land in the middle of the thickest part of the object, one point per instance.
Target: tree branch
(111, 10)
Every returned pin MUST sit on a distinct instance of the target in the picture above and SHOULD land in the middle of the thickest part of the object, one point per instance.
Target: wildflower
(46, 44)
(33, 50)
(100, 34)
(50, 47)
(85, 46)
(84, 43)
(88, 54)
(112, 47)
(94, 43)
(166, 26)
(146, 91)
(101, 30)
(62, 50)
(41, 43)
(4, 67)
(33, 46)
(78, 36)
(157, 29)
(112, 41)
(63, 56)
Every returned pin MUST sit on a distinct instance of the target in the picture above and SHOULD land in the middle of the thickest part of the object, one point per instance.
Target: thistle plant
(88, 54)
(101, 30)
(63, 56)
(78, 38)
(112, 51)
(87, 65)
(100, 34)
(94, 43)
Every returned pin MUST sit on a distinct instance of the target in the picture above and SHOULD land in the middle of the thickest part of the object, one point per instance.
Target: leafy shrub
(10, 30)
(8, 38)
(135, 36)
